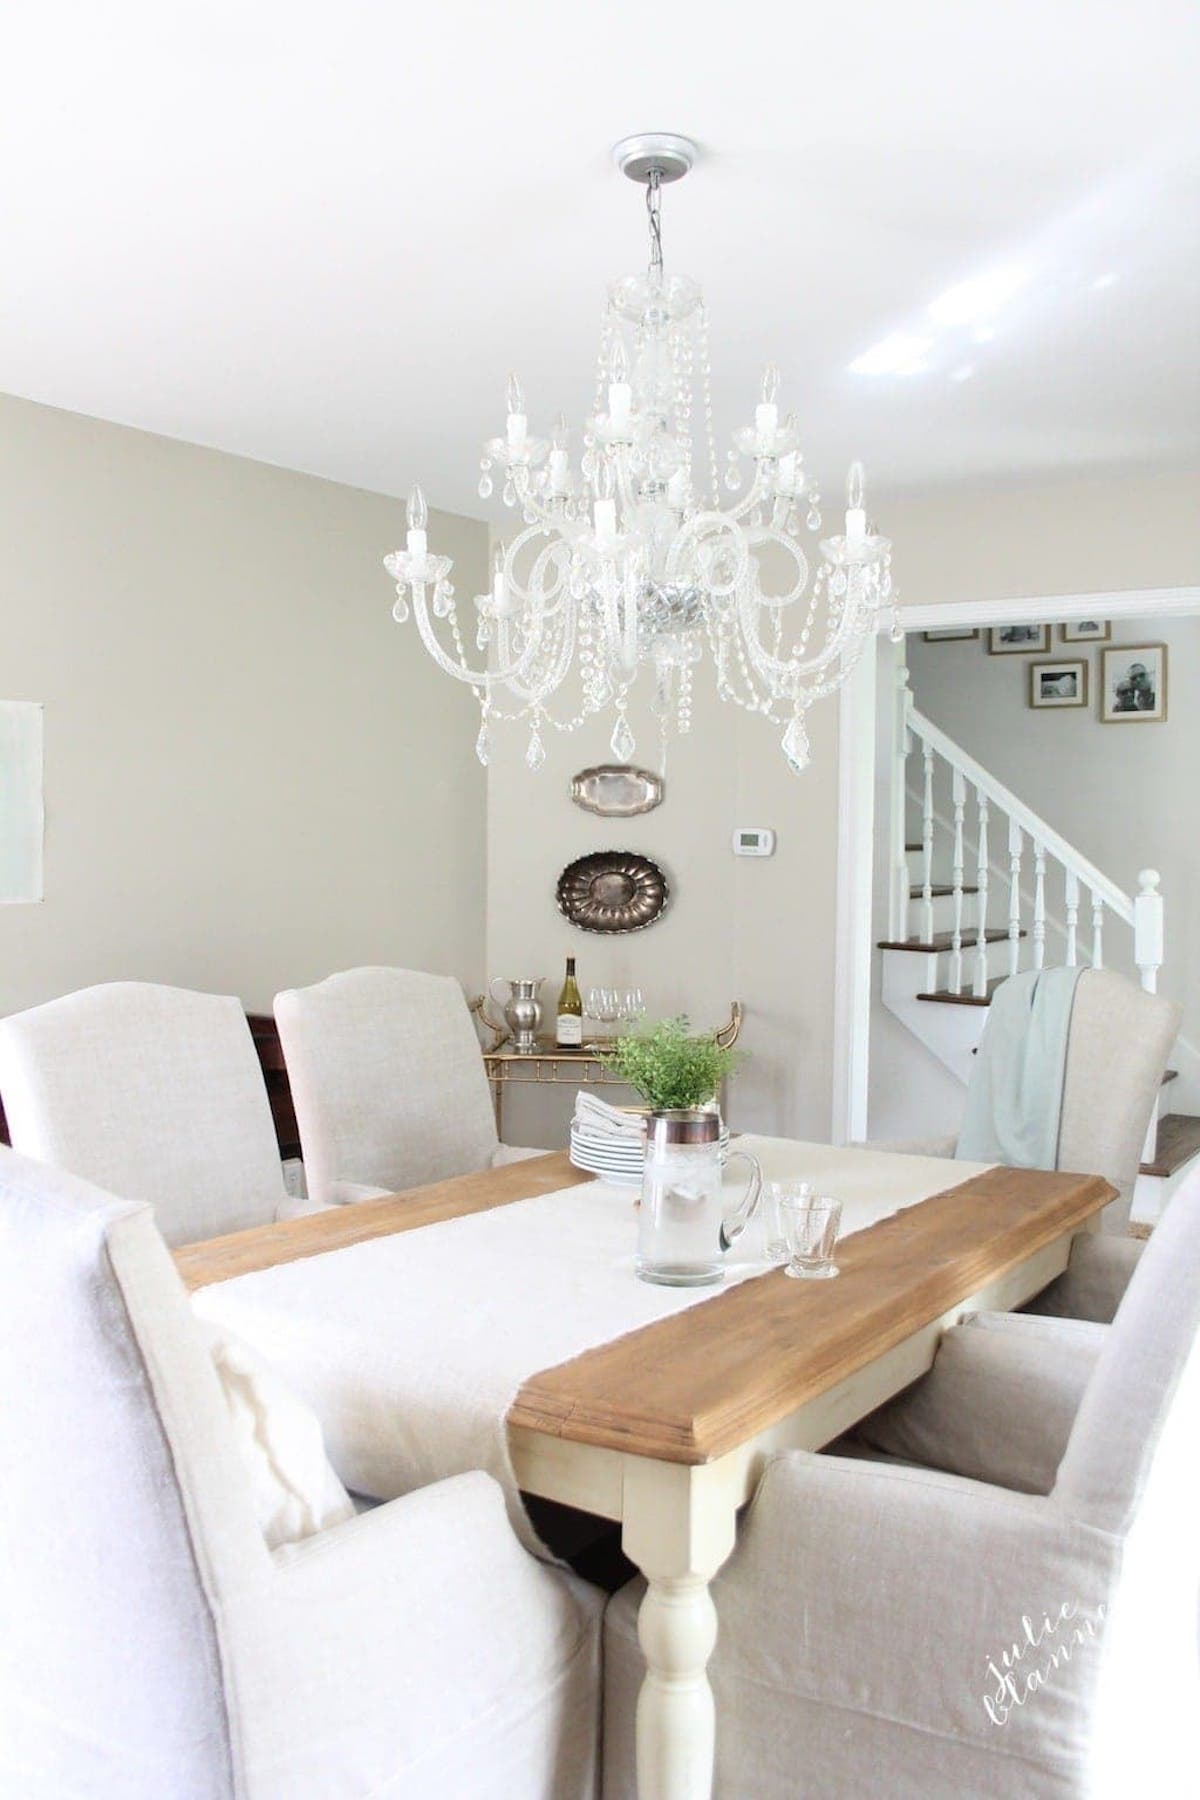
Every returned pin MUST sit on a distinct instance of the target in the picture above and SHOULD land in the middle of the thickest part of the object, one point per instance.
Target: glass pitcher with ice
(683, 1227)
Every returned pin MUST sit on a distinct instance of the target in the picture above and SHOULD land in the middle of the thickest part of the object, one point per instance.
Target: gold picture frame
(1059, 685)
(1024, 640)
(1086, 631)
(1130, 676)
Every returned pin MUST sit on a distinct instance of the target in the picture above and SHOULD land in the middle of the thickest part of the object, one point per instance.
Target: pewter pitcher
(683, 1228)
(521, 1008)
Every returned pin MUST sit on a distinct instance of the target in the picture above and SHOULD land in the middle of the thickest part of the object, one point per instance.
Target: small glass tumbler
(774, 1228)
(811, 1225)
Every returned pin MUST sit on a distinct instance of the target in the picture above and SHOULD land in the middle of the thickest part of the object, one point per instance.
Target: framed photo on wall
(1058, 684)
(1018, 640)
(945, 637)
(1134, 680)
(1085, 631)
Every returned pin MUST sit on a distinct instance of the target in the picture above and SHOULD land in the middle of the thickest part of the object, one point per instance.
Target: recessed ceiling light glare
(1107, 280)
(979, 297)
(963, 372)
(903, 353)
(984, 335)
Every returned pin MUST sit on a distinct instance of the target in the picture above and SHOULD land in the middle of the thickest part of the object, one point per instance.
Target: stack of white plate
(614, 1156)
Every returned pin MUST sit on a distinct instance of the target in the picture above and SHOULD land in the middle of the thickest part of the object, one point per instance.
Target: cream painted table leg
(679, 1525)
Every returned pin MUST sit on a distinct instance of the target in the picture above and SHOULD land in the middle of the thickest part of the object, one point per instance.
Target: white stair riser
(950, 1032)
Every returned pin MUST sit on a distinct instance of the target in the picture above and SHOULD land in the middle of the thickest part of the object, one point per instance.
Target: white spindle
(927, 848)
(1097, 931)
(1071, 902)
(1015, 846)
(981, 906)
(1039, 905)
(1148, 929)
(958, 789)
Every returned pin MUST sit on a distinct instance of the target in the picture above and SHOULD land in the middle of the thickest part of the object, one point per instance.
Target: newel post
(898, 834)
(1148, 929)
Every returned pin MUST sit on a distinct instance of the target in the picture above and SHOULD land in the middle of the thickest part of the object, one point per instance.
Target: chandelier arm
(552, 601)
(481, 678)
(535, 694)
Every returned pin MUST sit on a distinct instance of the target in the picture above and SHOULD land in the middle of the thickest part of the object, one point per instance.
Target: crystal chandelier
(629, 561)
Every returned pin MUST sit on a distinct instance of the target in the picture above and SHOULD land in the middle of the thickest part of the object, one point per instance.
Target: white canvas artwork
(22, 816)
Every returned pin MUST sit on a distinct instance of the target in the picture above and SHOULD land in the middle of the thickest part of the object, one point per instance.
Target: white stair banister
(1016, 842)
(1039, 905)
(1071, 901)
(927, 846)
(1148, 929)
(958, 789)
(1097, 931)
(981, 877)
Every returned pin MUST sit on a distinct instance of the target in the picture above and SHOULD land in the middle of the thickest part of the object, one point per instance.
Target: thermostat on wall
(753, 840)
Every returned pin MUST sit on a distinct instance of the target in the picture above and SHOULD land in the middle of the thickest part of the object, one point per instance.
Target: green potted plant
(671, 1068)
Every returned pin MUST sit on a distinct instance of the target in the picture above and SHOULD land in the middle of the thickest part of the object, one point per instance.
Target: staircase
(980, 887)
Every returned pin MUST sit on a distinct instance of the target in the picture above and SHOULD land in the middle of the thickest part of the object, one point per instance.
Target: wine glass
(632, 1005)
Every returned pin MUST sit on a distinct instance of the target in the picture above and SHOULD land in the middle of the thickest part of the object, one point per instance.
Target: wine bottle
(568, 1033)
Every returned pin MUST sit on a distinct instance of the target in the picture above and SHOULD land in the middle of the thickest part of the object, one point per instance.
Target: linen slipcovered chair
(888, 1630)
(1117, 1049)
(388, 1083)
(156, 1649)
(154, 1093)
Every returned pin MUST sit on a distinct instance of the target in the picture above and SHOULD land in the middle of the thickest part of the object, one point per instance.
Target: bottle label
(570, 1030)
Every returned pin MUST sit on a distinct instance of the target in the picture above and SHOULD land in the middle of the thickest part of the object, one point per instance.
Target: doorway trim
(853, 949)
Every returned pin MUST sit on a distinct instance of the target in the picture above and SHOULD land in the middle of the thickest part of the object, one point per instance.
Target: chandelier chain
(654, 218)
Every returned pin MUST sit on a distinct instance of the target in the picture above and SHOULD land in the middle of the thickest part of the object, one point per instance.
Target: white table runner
(411, 1348)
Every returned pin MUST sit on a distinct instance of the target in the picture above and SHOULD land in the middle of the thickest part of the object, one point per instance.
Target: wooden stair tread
(944, 940)
(945, 998)
(939, 890)
(1178, 1141)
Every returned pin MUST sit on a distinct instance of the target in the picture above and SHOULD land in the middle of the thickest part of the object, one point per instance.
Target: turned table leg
(679, 1526)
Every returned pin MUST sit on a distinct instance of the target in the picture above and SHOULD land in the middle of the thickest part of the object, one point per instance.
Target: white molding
(1127, 603)
(855, 880)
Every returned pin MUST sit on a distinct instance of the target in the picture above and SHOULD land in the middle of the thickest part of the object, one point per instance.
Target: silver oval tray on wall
(617, 790)
(611, 891)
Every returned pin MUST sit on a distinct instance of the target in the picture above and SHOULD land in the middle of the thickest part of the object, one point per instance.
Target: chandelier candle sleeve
(626, 566)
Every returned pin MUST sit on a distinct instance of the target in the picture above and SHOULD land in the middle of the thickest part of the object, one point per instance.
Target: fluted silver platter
(612, 891)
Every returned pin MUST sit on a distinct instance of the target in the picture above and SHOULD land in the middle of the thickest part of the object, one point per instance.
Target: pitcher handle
(498, 998)
(733, 1227)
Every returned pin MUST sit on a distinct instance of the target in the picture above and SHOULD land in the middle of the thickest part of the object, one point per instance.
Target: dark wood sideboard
(279, 1092)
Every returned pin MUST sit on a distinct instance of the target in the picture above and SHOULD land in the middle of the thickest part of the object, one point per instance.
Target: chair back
(1117, 1052)
(153, 1093)
(387, 1080)
(110, 1671)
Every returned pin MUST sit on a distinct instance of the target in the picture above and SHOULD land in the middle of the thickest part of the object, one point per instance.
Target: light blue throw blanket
(1014, 1101)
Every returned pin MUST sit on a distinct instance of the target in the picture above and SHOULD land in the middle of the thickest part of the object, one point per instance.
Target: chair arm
(349, 1193)
(998, 1404)
(936, 1146)
(1095, 1279)
(885, 1591)
(383, 1639)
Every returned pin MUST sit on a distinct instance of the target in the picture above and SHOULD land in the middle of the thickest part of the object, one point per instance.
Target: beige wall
(764, 930)
(1054, 537)
(252, 776)
(758, 930)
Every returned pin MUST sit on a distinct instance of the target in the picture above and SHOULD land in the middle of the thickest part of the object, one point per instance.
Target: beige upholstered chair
(891, 1630)
(154, 1093)
(388, 1083)
(155, 1649)
(1117, 1051)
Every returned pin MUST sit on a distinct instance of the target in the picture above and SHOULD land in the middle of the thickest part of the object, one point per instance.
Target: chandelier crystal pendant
(629, 560)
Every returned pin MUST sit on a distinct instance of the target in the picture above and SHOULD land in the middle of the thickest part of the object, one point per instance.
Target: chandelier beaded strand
(630, 561)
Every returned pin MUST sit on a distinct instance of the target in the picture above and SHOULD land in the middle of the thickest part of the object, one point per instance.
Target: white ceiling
(322, 234)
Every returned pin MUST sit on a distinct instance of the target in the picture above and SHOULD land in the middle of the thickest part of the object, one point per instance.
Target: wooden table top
(691, 1387)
